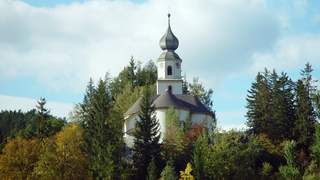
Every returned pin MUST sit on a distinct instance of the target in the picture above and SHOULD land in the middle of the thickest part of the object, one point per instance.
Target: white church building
(169, 92)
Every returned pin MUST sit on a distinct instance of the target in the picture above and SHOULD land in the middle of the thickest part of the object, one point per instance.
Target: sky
(51, 48)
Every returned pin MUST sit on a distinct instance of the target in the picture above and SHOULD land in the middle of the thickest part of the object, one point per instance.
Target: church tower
(169, 64)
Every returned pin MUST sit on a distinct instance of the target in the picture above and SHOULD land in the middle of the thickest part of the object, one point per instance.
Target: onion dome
(169, 41)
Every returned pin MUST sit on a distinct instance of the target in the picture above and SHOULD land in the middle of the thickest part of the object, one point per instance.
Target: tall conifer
(146, 143)
(258, 105)
(102, 131)
(304, 125)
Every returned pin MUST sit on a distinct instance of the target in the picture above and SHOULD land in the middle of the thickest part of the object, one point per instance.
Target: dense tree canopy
(282, 140)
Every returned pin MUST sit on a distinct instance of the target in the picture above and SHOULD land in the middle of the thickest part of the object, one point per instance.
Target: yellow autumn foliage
(63, 157)
(18, 158)
(186, 174)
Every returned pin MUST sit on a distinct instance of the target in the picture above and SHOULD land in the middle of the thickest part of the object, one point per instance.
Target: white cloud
(289, 53)
(25, 104)
(63, 46)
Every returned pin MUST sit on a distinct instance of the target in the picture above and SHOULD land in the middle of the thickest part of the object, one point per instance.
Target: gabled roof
(178, 101)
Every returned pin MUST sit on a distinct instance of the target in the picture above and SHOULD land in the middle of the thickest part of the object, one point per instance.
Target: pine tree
(132, 72)
(271, 93)
(146, 142)
(282, 106)
(306, 74)
(259, 105)
(304, 125)
(43, 115)
(102, 131)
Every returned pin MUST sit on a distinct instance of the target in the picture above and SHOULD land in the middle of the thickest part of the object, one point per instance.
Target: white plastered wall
(162, 86)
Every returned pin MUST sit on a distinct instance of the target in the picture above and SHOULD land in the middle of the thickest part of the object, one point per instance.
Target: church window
(169, 71)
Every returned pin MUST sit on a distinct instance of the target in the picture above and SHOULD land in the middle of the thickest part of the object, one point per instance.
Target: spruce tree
(102, 131)
(304, 125)
(146, 143)
(282, 107)
(270, 104)
(43, 115)
(259, 105)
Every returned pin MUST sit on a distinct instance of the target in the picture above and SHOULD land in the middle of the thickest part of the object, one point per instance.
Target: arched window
(170, 88)
(169, 71)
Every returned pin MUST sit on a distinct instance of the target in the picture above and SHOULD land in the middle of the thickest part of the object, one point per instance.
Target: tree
(147, 75)
(271, 93)
(259, 105)
(307, 80)
(168, 172)
(233, 155)
(174, 146)
(304, 125)
(289, 171)
(199, 155)
(316, 100)
(43, 115)
(152, 171)
(102, 131)
(146, 137)
(315, 148)
(63, 157)
(282, 107)
(186, 174)
(18, 158)
(127, 98)
(174, 133)
(197, 89)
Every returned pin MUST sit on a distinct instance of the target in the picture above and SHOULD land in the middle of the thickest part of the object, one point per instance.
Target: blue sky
(51, 48)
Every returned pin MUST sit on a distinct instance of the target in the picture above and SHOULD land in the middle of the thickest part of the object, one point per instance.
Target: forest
(282, 140)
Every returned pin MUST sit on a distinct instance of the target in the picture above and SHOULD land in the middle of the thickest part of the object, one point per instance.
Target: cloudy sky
(50, 48)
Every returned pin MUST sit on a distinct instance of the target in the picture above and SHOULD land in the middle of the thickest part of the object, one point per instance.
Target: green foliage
(304, 125)
(174, 133)
(102, 131)
(266, 170)
(200, 153)
(312, 172)
(271, 93)
(197, 89)
(174, 146)
(232, 156)
(289, 171)
(26, 124)
(152, 171)
(168, 172)
(316, 101)
(315, 148)
(125, 99)
(135, 76)
(146, 143)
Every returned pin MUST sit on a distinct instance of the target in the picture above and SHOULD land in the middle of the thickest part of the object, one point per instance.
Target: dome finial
(169, 41)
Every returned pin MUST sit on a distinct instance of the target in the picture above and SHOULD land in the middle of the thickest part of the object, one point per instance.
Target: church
(169, 92)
